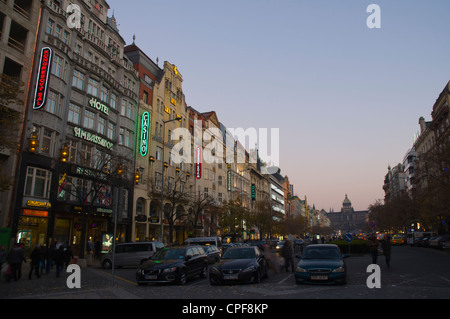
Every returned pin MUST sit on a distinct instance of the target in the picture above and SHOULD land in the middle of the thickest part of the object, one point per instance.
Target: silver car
(130, 254)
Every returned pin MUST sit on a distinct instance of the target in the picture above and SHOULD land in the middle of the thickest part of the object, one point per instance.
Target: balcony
(23, 7)
(17, 37)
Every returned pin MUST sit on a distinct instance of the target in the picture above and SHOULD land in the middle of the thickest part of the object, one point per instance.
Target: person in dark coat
(15, 258)
(68, 255)
(386, 247)
(372, 242)
(287, 253)
(59, 259)
(36, 258)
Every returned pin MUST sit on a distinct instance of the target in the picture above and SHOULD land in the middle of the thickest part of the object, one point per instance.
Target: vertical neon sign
(45, 62)
(145, 125)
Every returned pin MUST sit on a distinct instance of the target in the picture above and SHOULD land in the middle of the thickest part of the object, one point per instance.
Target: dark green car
(322, 264)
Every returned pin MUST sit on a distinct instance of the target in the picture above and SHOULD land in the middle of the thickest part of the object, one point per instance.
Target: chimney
(422, 124)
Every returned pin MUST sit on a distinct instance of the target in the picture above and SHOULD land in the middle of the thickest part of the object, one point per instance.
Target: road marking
(445, 279)
(285, 279)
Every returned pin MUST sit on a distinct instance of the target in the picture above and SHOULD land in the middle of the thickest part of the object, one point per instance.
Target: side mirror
(188, 257)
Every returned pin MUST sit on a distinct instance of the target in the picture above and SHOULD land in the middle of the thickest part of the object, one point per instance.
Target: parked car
(239, 264)
(439, 241)
(321, 263)
(213, 253)
(174, 265)
(446, 245)
(130, 254)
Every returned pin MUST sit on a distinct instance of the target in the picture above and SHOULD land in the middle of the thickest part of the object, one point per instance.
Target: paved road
(415, 273)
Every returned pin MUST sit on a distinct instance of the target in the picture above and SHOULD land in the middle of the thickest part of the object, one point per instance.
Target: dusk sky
(346, 98)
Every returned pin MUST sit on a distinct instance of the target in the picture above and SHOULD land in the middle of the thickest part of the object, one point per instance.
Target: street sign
(372, 224)
(348, 238)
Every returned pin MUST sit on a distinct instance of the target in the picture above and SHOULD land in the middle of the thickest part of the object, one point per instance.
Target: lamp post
(177, 118)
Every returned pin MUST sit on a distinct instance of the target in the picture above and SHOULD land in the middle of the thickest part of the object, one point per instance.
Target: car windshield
(321, 253)
(166, 254)
(241, 253)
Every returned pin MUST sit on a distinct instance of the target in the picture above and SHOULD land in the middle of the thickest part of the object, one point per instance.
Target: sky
(347, 98)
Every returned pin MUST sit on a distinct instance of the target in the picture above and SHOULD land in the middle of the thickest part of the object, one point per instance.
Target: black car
(174, 264)
(239, 264)
(213, 253)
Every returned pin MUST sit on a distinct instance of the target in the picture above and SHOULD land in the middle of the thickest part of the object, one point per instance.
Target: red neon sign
(45, 62)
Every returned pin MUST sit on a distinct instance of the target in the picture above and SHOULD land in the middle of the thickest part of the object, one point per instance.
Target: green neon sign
(145, 129)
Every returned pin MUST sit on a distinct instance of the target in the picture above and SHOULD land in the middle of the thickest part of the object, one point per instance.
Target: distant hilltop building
(348, 220)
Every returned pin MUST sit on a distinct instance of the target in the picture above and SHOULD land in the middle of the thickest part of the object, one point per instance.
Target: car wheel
(257, 278)
(182, 279)
(107, 264)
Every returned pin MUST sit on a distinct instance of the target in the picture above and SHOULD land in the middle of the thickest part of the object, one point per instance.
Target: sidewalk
(95, 284)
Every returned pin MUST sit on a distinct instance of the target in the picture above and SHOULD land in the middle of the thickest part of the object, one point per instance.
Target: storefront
(33, 224)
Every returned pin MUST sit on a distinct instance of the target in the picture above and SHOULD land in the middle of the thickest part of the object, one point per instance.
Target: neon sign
(145, 125)
(45, 62)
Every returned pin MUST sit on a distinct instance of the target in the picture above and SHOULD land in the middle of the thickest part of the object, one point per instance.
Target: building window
(110, 131)
(86, 155)
(158, 153)
(93, 87)
(78, 80)
(89, 119)
(57, 68)
(52, 105)
(113, 101)
(125, 137)
(74, 114)
(38, 182)
(50, 26)
(47, 141)
(73, 149)
(101, 126)
(104, 93)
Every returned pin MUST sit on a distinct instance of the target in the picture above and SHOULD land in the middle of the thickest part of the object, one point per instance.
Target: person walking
(36, 258)
(288, 254)
(15, 258)
(373, 247)
(59, 260)
(68, 255)
(386, 247)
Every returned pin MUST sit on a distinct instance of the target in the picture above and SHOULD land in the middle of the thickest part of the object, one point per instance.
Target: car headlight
(251, 268)
(340, 269)
(214, 269)
(173, 269)
(300, 269)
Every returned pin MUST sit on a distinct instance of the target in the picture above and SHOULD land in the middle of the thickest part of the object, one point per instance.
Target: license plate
(319, 277)
(230, 277)
(151, 277)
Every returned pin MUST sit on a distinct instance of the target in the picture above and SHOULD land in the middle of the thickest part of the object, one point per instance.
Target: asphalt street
(415, 273)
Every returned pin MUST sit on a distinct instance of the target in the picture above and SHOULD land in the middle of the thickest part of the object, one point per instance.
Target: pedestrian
(288, 254)
(36, 257)
(15, 258)
(373, 247)
(44, 253)
(271, 259)
(50, 257)
(68, 255)
(89, 247)
(386, 247)
(59, 259)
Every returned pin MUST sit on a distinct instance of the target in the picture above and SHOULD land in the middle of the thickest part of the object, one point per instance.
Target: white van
(130, 254)
(217, 241)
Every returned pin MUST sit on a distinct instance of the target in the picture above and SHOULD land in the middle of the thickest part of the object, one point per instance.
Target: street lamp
(177, 118)
(33, 142)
